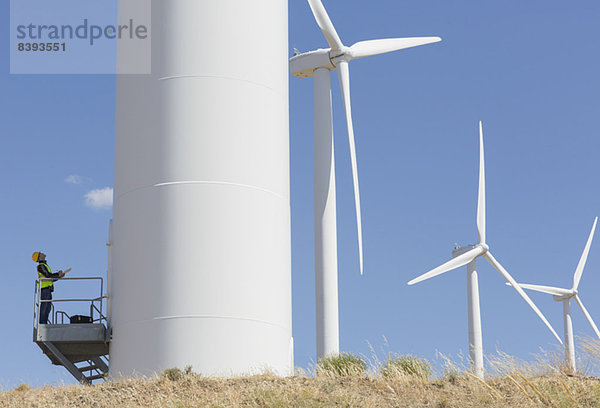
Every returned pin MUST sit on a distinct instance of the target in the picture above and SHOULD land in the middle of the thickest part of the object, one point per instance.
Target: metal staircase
(82, 348)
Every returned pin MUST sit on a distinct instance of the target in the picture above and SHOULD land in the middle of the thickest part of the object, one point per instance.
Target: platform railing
(96, 303)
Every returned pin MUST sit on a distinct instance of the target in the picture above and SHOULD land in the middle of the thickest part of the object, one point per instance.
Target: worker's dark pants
(45, 306)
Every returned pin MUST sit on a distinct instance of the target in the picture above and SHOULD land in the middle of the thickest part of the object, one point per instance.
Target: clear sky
(528, 70)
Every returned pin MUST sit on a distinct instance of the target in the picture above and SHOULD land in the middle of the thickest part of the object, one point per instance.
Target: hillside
(189, 390)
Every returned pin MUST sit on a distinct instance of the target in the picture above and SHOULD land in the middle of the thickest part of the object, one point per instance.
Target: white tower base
(201, 251)
(569, 341)
(326, 271)
(475, 337)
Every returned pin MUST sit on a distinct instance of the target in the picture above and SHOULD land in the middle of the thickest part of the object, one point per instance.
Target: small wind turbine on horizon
(320, 63)
(467, 256)
(565, 296)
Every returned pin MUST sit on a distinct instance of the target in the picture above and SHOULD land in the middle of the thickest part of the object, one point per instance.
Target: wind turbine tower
(468, 256)
(319, 64)
(201, 266)
(565, 295)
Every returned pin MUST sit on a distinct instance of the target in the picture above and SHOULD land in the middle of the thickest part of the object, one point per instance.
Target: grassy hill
(270, 391)
(347, 381)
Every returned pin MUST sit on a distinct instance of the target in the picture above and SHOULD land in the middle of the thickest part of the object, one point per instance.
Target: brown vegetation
(398, 382)
(268, 391)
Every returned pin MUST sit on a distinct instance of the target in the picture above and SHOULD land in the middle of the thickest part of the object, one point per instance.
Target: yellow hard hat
(35, 256)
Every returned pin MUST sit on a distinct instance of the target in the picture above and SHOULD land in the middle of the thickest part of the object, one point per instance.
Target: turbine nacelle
(560, 298)
(457, 251)
(304, 65)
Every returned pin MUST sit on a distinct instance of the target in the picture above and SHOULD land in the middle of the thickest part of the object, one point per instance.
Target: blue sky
(528, 70)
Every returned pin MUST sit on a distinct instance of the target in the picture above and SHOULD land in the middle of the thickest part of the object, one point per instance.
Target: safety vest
(45, 283)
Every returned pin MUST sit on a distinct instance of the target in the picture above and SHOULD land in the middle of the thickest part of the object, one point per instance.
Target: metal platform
(82, 348)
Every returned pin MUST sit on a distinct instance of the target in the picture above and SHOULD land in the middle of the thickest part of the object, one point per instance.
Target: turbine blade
(481, 193)
(587, 315)
(584, 255)
(325, 24)
(376, 47)
(457, 262)
(515, 285)
(344, 76)
(551, 290)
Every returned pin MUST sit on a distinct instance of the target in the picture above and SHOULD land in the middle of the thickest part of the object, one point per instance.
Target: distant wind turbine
(320, 63)
(467, 256)
(565, 296)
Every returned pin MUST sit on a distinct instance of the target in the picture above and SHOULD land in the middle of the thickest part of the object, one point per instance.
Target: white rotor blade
(515, 285)
(376, 47)
(344, 76)
(587, 315)
(545, 289)
(481, 193)
(325, 24)
(457, 262)
(583, 259)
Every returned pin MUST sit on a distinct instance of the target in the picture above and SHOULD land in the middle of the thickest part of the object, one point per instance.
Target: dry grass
(511, 383)
(342, 365)
(398, 366)
(269, 391)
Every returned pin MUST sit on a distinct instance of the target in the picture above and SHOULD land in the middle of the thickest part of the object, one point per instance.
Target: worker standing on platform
(46, 286)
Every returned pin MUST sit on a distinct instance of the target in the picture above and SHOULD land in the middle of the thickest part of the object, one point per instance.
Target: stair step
(88, 368)
(95, 377)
